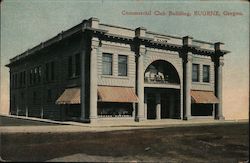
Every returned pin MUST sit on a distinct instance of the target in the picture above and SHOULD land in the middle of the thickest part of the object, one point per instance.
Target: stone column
(145, 105)
(140, 88)
(140, 32)
(218, 84)
(158, 106)
(83, 78)
(187, 61)
(93, 80)
(218, 63)
(188, 83)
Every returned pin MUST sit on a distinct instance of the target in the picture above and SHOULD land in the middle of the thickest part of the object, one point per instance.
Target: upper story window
(50, 71)
(107, 61)
(74, 65)
(22, 78)
(70, 66)
(77, 64)
(206, 73)
(195, 73)
(122, 65)
(35, 75)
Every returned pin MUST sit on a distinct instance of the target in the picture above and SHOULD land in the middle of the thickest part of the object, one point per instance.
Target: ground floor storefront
(159, 103)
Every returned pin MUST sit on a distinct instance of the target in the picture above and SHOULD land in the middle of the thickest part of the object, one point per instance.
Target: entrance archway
(162, 91)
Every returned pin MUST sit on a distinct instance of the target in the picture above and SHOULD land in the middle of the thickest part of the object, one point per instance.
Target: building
(96, 71)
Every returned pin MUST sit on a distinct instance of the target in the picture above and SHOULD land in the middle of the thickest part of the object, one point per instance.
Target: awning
(70, 96)
(116, 94)
(204, 97)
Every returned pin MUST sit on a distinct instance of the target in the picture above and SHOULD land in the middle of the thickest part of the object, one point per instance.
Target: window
(74, 65)
(122, 65)
(16, 80)
(107, 64)
(195, 73)
(24, 77)
(77, 64)
(206, 73)
(31, 76)
(70, 72)
(52, 69)
(49, 71)
(20, 79)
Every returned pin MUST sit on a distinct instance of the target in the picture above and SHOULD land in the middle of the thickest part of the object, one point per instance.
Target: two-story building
(96, 71)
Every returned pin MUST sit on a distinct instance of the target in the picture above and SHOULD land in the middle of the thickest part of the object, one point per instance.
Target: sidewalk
(102, 126)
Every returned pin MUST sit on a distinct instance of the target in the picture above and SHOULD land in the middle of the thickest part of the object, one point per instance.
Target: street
(211, 143)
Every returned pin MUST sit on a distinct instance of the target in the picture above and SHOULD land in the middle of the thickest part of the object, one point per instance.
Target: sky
(27, 23)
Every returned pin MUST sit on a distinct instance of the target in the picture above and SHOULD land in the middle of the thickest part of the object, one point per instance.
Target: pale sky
(27, 23)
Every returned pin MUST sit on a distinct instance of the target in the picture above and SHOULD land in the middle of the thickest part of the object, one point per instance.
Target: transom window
(195, 73)
(107, 60)
(122, 65)
(206, 73)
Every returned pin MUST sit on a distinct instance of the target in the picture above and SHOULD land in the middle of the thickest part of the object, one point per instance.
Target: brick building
(96, 71)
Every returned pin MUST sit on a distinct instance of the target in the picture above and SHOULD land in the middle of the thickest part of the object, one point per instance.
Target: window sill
(202, 83)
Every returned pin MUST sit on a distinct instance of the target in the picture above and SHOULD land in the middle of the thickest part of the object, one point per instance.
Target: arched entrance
(162, 91)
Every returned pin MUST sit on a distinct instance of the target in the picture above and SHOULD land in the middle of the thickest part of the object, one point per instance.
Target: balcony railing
(159, 80)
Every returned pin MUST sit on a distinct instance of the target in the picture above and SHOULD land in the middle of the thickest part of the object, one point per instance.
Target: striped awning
(116, 94)
(70, 96)
(203, 97)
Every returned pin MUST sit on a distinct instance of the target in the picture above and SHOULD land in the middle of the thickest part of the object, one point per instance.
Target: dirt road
(217, 143)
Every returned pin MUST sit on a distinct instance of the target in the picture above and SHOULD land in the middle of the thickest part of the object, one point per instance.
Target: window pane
(195, 73)
(206, 73)
(122, 65)
(107, 64)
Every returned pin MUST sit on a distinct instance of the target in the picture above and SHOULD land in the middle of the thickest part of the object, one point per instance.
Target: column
(83, 78)
(140, 88)
(140, 32)
(158, 106)
(188, 82)
(145, 106)
(171, 107)
(218, 88)
(93, 80)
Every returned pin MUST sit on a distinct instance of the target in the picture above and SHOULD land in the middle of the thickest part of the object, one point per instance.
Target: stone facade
(74, 59)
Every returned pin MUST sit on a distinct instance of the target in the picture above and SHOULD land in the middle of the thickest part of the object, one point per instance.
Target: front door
(164, 106)
(151, 106)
